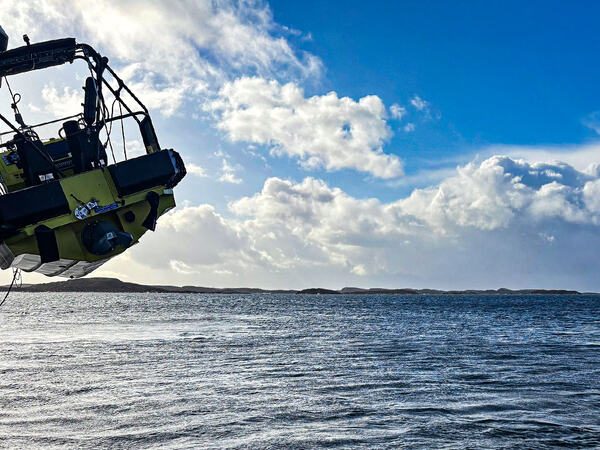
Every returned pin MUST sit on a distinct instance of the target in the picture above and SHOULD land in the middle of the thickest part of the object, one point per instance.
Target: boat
(67, 204)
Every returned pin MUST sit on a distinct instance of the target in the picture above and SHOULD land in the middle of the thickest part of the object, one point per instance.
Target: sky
(414, 144)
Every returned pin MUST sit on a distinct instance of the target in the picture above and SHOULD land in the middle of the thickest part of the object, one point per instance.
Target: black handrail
(41, 152)
(31, 127)
(97, 65)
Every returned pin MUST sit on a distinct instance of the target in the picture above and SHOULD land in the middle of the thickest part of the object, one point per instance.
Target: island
(100, 284)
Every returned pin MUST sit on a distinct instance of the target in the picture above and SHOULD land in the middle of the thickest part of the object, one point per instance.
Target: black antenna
(3, 40)
(3, 45)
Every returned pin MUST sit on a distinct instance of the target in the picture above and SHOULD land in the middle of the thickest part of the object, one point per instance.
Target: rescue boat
(66, 206)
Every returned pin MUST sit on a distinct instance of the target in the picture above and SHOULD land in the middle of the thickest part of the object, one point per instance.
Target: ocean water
(299, 371)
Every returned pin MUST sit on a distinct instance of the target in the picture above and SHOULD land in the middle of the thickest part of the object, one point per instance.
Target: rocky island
(99, 284)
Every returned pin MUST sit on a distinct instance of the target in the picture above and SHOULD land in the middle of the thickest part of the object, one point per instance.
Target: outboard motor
(101, 238)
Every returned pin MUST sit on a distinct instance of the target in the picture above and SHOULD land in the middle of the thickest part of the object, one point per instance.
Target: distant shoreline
(113, 285)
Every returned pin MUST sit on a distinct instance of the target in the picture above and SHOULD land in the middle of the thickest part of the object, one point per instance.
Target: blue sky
(522, 73)
(424, 144)
(510, 72)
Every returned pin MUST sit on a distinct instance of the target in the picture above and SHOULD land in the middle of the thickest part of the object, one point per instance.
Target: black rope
(16, 98)
(13, 96)
(112, 151)
(108, 130)
(123, 132)
(16, 274)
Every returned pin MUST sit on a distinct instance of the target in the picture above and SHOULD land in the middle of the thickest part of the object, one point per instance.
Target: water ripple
(299, 371)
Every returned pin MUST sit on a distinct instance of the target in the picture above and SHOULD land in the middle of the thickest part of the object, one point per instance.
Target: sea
(88, 370)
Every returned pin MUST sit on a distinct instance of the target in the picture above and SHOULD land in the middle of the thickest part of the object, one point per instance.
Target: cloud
(61, 103)
(169, 50)
(397, 111)
(409, 127)
(196, 170)
(228, 173)
(203, 238)
(584, 158)
(419, 103)
(592, 121)
(424, 178)
(500, 222)
(499, 191)
(321, 131)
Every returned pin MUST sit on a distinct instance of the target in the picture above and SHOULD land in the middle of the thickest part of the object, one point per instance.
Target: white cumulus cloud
(321, 131)
(500, 222)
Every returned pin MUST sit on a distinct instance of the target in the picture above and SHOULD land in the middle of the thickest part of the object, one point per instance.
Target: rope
(108, 130)
(16, 98)
(123, 131)
(15, 102)
(16, 276)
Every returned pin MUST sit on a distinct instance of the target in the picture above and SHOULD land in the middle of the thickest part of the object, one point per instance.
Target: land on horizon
(100, 284)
